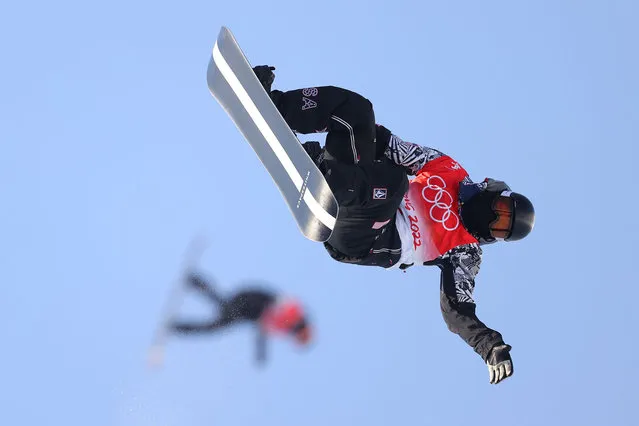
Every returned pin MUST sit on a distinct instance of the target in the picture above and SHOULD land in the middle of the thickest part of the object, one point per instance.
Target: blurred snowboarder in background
(440, 217)
(271, 313)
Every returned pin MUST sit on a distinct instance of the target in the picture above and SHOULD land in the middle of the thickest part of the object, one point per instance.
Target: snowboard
(193, 253)
(235, 86)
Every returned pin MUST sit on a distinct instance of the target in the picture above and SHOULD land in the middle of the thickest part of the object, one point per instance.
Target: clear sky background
(113, 156)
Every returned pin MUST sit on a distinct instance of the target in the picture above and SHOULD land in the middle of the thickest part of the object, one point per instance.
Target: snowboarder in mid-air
(440, 217)
(271, 313)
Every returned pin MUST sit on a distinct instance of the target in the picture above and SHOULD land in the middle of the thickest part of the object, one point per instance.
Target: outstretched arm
(459, 268)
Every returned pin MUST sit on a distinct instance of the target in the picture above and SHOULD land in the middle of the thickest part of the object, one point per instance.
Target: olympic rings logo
(442, 202)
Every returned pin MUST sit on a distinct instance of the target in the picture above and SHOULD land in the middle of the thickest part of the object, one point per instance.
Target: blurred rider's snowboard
(174, 301)
(235, 86)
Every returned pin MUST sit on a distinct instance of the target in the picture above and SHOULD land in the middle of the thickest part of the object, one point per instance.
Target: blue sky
(114, 155)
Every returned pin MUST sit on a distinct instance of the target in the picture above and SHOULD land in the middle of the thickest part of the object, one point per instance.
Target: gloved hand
(494, 185)
(314, 150)
(500, 365)
(266, 76)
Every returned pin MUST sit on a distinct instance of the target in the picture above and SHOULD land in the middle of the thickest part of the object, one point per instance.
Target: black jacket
(247, 304)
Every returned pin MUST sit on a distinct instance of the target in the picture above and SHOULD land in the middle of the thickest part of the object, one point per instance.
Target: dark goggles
(503, 207)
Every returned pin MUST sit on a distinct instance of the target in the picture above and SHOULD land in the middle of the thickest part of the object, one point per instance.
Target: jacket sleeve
(458, 270)
(403, 153)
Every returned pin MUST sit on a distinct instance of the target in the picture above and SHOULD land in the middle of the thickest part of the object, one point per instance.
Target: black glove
(266, 76)
(500, 365)
(314, 150)
(494, 185)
